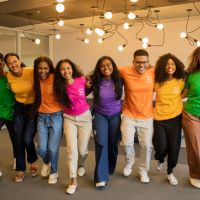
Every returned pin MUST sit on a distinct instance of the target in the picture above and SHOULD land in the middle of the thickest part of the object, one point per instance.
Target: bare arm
(184, 93)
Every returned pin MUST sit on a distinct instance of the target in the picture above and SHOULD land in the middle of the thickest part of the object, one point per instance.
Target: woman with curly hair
(70, 87)
(191, 118)
(50, 120)
(107, 91)
(169, 83)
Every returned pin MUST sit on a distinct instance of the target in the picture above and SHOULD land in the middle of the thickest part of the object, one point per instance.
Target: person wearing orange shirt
(50, 120)
(137, 113)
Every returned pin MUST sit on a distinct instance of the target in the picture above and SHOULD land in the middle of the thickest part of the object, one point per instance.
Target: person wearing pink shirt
(70, 87)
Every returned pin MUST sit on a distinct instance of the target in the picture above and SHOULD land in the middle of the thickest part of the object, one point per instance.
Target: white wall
(87, 55)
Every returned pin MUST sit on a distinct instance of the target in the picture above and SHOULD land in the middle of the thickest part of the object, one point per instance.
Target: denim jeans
(24, 127)
(50, 126)
(107, 136)
(10, 127)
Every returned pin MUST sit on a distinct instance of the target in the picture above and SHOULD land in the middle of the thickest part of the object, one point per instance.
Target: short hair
(1, 56)
(140, 52)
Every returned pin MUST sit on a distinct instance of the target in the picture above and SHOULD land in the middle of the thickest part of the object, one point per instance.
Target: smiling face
(43, 70)
(66, 72)
(171, 67)
(14, 65)
(106, 68)
(141, 63)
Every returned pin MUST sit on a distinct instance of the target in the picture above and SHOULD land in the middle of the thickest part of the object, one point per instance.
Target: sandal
(19, 177)
(33, 170)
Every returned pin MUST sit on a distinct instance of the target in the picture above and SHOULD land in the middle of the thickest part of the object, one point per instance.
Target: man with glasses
(137, 113)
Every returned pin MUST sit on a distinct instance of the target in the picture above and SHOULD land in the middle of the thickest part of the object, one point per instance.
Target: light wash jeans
(144, 128)
(50, 126)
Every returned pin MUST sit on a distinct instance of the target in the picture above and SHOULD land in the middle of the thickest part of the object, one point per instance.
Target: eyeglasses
(141, 63)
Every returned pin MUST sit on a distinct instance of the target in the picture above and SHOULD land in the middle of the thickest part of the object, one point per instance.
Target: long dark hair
(59, 82)
(194, 65)
(97, 78)
(37, 87)
(160, 70)
(13, 54)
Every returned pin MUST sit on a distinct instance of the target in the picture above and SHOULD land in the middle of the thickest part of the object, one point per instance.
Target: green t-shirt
(7, 100)
(192, 104)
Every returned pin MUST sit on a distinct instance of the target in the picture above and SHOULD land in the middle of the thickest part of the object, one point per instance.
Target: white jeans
(144, 128)
(77, 131)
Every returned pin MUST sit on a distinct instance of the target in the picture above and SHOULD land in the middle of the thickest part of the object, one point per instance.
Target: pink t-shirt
(76, 93)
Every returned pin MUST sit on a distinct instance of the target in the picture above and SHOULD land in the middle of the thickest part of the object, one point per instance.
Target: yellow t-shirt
(168, 99)
(138, 88)
(49, 103)
(22, 86)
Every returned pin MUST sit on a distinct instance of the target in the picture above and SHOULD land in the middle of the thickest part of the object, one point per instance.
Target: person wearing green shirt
(7, 102)
(191, 118)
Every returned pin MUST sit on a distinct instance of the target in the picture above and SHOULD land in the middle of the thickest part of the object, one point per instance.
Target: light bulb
(58, 36)
(60, 7)
(131, 15)
(126, 25)
(37, 41)
(198, 43)
(183, 34)
(89, 31)
(60, 1)
(108, 15)
(133, 1)
(61, 22)
(100, 40)
(86, 41)
(97, 30)
(120, 48)
(145, 40)
(144, 45)
(101, 32)
(160, 26)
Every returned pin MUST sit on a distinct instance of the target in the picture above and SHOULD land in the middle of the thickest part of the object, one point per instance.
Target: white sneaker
(81, 171)
(158, 165)
(100, 184)
(1, 173)
(195, 182)
(71, 189)
(172, 179)
(14, 163)
(45, 171)
(128, 169)
(53, 178)
(144, 178)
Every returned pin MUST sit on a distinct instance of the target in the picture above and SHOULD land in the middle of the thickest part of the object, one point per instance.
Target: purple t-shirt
(107, 103)
(76, 93)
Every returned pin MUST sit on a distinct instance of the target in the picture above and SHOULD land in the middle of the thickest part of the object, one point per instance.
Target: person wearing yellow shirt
(20, 79)
(169, 83)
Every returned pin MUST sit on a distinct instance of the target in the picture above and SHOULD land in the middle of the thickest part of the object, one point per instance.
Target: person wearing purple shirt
(107, 90)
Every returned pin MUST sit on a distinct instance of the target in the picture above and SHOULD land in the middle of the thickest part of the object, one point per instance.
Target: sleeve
(187, 82)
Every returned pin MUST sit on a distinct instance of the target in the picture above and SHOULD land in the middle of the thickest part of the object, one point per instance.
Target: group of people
(50, 101)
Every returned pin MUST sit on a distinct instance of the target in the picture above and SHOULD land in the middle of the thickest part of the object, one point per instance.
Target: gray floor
(119, 187)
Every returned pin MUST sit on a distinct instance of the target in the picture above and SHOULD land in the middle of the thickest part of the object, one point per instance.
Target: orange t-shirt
(138, 88)
(49, 103)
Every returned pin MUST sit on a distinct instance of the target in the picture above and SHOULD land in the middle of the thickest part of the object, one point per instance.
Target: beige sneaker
(71, 189)
(81, 171)
(45, 171)
(144, 178)
(53, 178)
(172, 179)
(1, 173)
(128, 168)
(195, 182)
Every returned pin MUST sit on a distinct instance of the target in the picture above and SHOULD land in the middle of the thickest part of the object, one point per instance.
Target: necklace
(108, 83)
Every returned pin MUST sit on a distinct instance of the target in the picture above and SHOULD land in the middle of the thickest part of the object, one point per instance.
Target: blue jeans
(107, 136)
(50, 126)
(24, 127)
